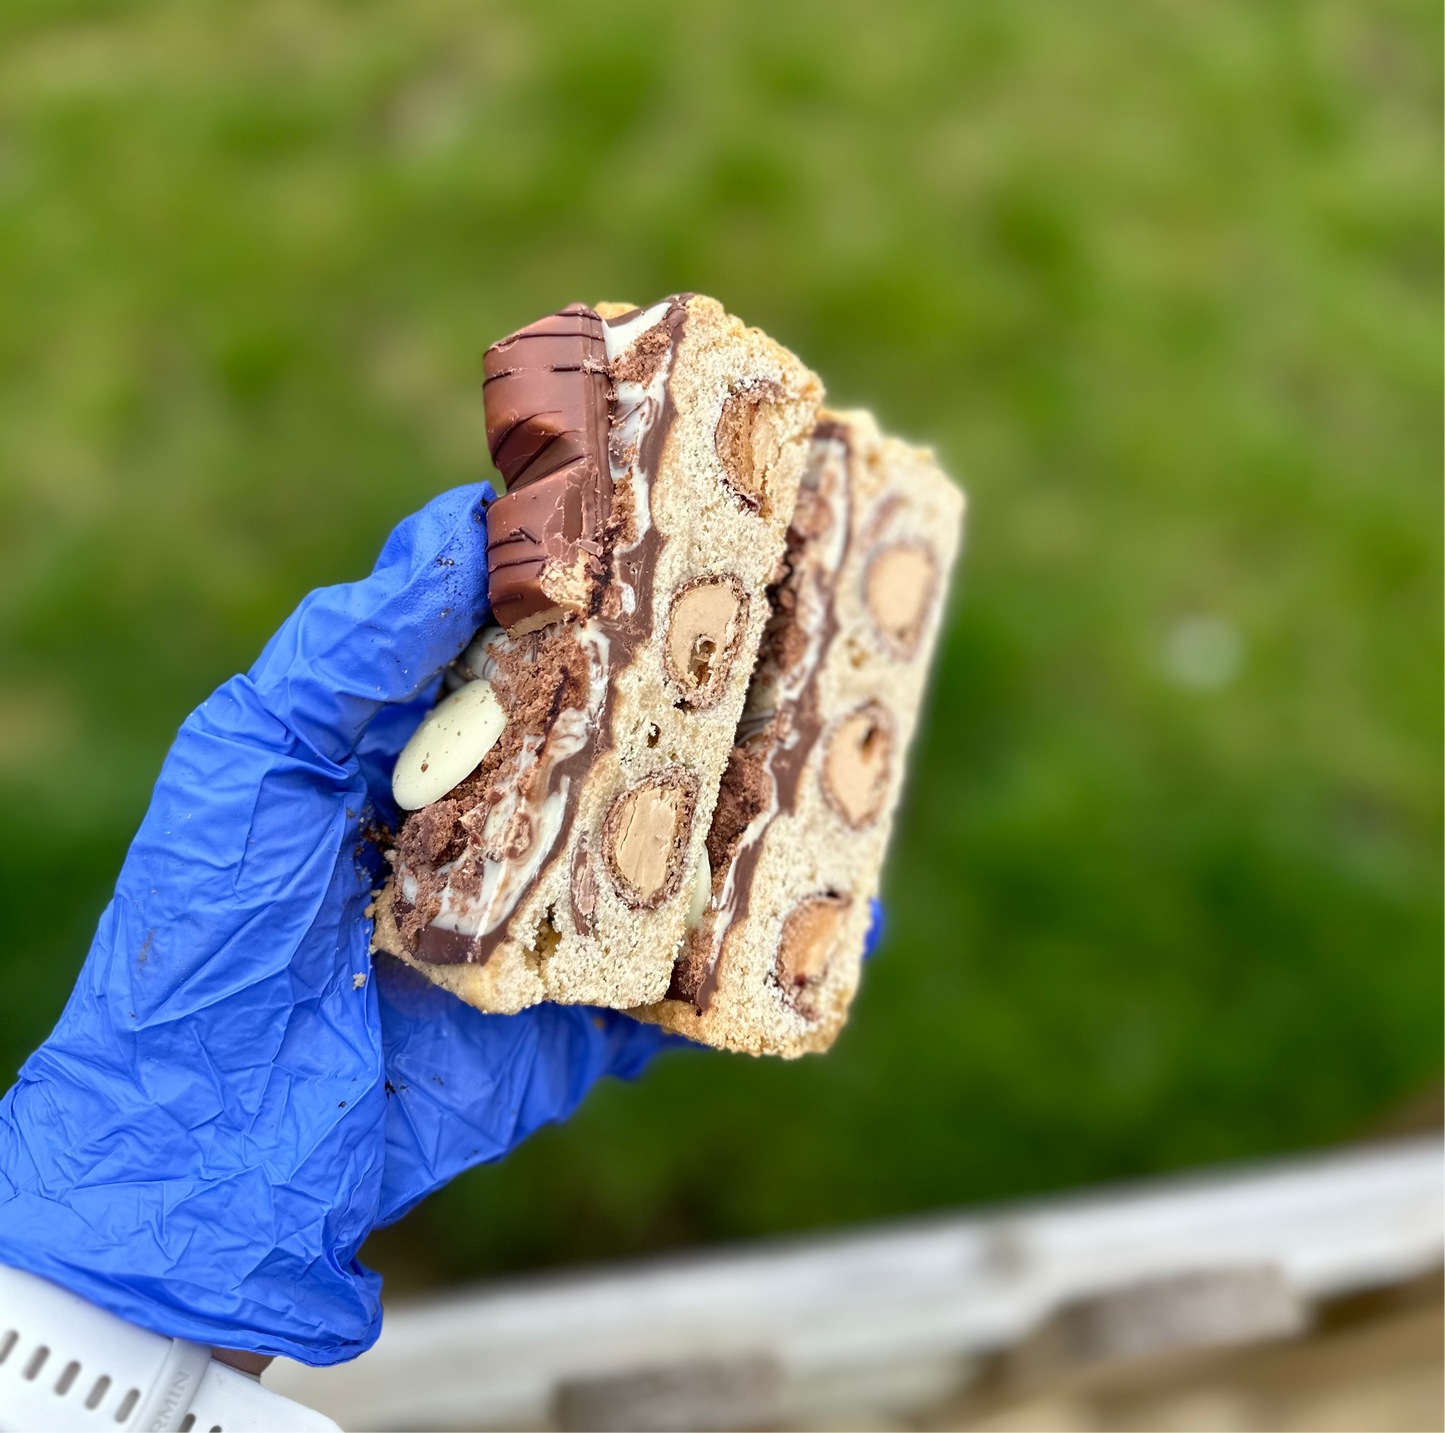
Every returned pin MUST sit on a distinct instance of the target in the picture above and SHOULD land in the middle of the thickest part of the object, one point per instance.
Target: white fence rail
(886, 1318)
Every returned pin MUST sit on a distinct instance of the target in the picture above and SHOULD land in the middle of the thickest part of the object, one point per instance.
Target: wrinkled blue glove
(232, 1101)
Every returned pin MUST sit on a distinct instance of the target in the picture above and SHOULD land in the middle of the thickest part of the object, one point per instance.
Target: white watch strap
(66, 1364)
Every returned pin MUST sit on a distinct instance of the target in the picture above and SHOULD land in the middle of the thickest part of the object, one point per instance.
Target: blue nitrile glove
(231, 1102)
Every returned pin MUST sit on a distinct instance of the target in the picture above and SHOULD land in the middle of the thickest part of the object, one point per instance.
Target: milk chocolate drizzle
(782, 710)
(544, 431)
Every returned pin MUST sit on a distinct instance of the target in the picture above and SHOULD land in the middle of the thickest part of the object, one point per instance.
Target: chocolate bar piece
(801, 826)
(546, 391)
(652, 460)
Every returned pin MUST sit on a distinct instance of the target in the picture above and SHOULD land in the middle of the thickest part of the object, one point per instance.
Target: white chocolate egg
(445, 749)
(477, 661)
(701, 891)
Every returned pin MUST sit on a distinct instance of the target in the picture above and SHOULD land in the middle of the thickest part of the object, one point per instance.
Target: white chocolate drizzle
(636, 407)
(521, 829)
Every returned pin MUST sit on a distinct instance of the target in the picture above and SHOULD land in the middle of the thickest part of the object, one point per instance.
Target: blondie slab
(652, 459)
(801, 826)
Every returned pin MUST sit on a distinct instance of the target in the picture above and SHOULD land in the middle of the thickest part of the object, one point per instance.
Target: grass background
(1161, 282)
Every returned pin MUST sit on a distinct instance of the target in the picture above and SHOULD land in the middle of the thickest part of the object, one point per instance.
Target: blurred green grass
(1160, 281)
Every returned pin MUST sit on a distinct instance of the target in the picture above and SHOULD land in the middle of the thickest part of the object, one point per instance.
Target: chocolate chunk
(438, 946)
(857, 765)
(426, 835)
(899, 587)
(745, 791)
(692, 968)
(810, 936)
(705, 628)
(546, 392)
(747, 441)
(645, 836)
(583, 890)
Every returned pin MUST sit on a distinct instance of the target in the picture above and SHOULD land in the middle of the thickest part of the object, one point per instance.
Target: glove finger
(348, 650)
(877, 928)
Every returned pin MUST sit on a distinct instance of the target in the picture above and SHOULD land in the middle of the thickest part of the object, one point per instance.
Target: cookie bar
(563, 790)
(802, 821)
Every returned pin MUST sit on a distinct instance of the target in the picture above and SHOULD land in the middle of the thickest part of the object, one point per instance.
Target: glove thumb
(350, 649)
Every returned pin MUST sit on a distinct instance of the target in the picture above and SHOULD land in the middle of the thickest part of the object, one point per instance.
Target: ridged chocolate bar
(546, 392)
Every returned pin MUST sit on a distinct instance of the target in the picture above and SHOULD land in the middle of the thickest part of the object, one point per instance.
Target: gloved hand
(232, 1101)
